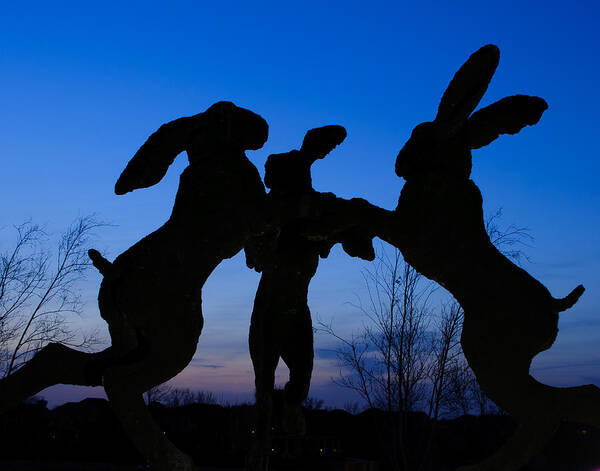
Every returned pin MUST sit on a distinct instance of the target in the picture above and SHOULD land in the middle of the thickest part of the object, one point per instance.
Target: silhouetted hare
(151, 294)
(281, 325)
(509, 317)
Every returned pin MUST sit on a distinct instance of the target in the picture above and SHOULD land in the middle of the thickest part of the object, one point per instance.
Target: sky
(83, 85)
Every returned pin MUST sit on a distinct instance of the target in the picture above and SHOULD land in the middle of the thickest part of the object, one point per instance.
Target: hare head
(223, 130)
(290, 172)
(443, 147)
(225, 126)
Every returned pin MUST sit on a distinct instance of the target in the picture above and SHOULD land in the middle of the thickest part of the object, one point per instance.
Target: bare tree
(446, 359)
(38, 292)
(352, 407)
(177, 397)
(313, 403)
(158, 394)
(406, 358)
(206, 397)
(509, 239)
(389, 356)
(390, 359)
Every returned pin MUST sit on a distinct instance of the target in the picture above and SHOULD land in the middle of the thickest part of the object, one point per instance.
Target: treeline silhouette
(87, 433)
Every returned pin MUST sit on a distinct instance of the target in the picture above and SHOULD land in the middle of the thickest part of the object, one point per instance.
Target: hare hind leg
(298, 355)
(542, 409)
(264, 352)
(528, 440)
(163, 350)
(124, 386)
(580, 404)
(53, 364)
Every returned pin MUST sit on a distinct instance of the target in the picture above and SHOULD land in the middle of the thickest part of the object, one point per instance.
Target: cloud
(326, 353)
(199, 362)
(568, 366)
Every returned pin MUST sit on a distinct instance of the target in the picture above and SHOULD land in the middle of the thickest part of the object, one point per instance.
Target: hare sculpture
(151, 295)
(281, 325)
(509, 317)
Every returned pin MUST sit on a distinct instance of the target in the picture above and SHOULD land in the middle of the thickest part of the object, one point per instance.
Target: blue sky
(84, 84)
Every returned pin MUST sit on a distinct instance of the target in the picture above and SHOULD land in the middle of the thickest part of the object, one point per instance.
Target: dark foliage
(88, 432)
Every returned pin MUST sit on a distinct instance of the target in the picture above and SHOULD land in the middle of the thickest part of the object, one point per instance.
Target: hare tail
(103, 265)
(568, 301)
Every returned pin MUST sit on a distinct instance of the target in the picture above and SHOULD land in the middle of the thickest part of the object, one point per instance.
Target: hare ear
(506, 116)
(151, 161)
(468, 85)
(321, 141)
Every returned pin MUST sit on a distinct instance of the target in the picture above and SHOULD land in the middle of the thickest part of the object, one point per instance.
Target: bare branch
(36, 299)
(508, 240)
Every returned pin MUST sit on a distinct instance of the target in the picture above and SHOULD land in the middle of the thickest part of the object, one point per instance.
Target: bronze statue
(281, 325)
(509, 317)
